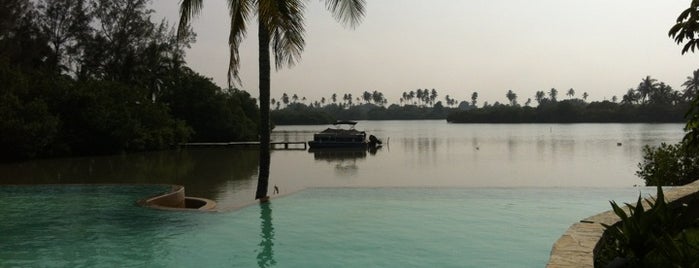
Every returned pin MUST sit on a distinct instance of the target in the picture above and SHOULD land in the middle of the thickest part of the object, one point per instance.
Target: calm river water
(415, 154)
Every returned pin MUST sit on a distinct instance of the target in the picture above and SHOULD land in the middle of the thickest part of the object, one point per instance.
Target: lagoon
(416, 154)
(437, 194)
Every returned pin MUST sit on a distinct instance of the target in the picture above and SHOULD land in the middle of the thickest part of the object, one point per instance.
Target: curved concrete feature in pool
(177, 200)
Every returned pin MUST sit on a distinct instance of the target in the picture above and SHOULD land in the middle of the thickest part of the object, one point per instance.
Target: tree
(571, 93)
(512, 97)
(614, 99)
(686, 28)
(378, 98)
(630, 97)
(280, 29)
(334, 97)
(65, 23)
(645, 88)
(585, 95)
(474, 98)
(552, 94)
(366, 96)
(285, 99)
(528, 103)
(539, 97)
(691, 86)
(433, 96)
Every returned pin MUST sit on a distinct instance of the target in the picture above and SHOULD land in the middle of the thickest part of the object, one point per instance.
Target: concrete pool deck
(578, 245)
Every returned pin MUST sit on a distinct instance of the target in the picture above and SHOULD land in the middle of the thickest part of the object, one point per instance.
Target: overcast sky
(602, 47)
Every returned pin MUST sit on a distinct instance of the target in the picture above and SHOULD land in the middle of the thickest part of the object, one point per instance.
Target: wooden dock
(276, 145)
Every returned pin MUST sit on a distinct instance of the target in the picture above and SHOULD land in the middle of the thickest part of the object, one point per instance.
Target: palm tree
(366, 96)
(686, 28)
(691, 86)
(585, 95)
(571, 93)
(280, 31)
(646, 86)
(512, 97)
(474, 98)
(539, 97)
(553, 93)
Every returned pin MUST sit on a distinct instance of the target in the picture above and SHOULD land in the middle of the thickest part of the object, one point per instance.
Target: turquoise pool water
(101, 226)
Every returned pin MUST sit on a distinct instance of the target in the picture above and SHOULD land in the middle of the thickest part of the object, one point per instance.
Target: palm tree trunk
(265, 154)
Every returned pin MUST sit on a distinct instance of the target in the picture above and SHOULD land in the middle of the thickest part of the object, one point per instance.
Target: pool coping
(578, 245)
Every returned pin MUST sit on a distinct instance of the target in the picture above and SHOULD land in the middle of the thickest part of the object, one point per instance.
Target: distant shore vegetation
(99, 77)
(649, 102)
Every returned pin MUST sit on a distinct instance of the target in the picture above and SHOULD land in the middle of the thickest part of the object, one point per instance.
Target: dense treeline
(302, 114)
(98, 76)
(651, 101)
(414, 105)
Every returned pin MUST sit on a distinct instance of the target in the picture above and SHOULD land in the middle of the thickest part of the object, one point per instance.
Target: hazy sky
(602, 47)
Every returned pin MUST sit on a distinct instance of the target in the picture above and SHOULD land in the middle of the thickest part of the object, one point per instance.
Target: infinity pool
(101, 226)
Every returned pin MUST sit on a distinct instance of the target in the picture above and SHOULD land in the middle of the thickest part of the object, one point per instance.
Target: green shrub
(649, 238)
(670, 165)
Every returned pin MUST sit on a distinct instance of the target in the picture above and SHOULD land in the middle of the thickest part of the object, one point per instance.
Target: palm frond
(239, 10)
(348, 12)
(189, 9)
(285, 21)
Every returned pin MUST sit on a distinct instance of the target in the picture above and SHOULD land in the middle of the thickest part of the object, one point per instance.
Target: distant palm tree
(280, 30)
(553, 93)
(571, 93)
(646, 86)
(585, 95)
(691, 86)
(630, 97)
(334, 97)
(366, 96)
(474, 98)
(512, 97)
(539, 97)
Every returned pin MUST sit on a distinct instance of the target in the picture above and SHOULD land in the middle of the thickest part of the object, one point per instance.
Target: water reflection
(344, 159)
(265, 257)
(204, 172)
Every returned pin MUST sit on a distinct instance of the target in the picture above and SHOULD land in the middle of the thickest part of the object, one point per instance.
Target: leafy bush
(670, 165)
(649, 238)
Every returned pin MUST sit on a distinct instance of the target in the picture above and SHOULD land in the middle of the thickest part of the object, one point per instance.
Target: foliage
(26, 124)
(215, 115)
(647, 237)
(671, 165)
(300, 114)
(686, 28)
(97, 77)
(571, 111)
